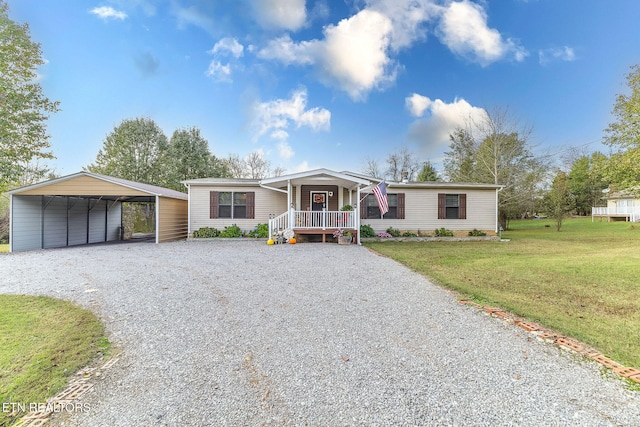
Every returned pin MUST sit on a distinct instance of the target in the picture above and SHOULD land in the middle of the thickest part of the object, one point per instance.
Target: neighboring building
(310, 203)
(621, 206)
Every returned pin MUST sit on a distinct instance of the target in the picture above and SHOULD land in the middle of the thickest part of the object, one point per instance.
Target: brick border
(561, 341)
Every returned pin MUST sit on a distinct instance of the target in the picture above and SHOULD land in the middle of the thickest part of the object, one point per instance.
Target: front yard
(581, 281)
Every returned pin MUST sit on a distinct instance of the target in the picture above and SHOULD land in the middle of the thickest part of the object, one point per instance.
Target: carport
(86, 208)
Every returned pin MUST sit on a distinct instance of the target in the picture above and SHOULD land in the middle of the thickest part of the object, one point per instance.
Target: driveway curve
(238, 333)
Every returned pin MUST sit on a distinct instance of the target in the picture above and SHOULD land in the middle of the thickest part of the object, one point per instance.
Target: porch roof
(316, 177)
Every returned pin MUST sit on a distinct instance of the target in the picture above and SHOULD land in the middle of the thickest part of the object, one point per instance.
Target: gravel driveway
(238, 333)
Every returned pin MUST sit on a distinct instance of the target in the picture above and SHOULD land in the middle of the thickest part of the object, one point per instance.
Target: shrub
(260, 230)
(367, 231)
(475, 233)
(409, 234)
(231, 231)
(346, 208)
(443, 232)
(393, 231)
(206, 232)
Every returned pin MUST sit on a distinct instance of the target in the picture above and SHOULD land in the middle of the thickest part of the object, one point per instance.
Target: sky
(331, 83)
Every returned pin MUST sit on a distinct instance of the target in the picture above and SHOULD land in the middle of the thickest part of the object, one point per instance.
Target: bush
(260, 231)
(393, 231)
(476, 233)
(231, 231)
(409, 234)
(443, 232)
(206, 232)
(367, 231)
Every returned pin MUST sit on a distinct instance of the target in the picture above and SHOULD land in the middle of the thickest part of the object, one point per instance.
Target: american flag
(380, 191)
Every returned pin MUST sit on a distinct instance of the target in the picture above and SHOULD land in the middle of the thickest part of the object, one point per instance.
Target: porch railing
(320, 220)
(633, 212)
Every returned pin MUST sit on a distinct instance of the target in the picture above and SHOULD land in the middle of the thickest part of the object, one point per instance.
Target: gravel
(240, 333)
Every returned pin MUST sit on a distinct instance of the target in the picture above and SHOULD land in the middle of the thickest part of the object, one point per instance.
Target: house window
(231, 204)
(372, 210)
(452, 206)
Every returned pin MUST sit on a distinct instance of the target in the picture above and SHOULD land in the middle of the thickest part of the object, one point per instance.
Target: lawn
(43, 341)
(582, 281)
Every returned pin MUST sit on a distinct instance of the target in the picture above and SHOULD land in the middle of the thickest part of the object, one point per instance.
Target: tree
(372, 169)
(586, 183)
(559, 202)
(256, 165)
(428, 173)
(24, 109)
(400, 163)
(623, 135)
(135, 150)
(236, 166)
(495, 150)
(189, 157)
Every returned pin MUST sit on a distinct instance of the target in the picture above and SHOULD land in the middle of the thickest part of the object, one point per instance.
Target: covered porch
(318, 201)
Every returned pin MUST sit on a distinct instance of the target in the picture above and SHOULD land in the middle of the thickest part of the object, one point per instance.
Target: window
(371, 210)
(229, 204)
(452, 206)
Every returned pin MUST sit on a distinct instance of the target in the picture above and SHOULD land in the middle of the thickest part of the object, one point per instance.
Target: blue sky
(330, 83)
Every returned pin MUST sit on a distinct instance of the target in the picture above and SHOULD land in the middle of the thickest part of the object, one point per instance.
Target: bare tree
(257, 166)
(371, 168)
(278, 171)
(236, 166)
(401, 162)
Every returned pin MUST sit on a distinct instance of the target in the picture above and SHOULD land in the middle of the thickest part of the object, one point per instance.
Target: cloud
(565, 53)
(107, 12)
(417, 104)
(147, 64)
(352, 56)
(276, 117)
(228, 45)
(284, 150)
(463, 29)
(280, 14)
(219, 72)
(408, 19)
(432, 130)
(187, 16)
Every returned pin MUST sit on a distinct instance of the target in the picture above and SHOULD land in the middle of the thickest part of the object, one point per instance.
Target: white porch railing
(633, 212)
(320, 220)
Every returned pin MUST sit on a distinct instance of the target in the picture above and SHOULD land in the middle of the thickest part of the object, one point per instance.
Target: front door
(318, 200)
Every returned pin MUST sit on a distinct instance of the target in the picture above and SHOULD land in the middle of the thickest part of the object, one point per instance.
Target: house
(621, 206)
(310, 204)
(86, 208)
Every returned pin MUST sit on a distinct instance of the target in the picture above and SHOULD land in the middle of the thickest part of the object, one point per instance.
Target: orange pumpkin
(292, 240)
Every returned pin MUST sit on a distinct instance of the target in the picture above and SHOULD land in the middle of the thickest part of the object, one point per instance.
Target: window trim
(214, 204)
(442, 205)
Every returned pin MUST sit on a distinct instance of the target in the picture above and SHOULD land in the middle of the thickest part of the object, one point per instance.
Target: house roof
(136, 187)
(315, 177)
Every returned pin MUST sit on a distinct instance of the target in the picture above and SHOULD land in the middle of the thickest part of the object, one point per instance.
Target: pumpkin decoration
(270, 242)
(292, 241)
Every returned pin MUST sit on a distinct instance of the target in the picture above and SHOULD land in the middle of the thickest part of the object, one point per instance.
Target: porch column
(340, 197)
(289, 208)
(356, 211)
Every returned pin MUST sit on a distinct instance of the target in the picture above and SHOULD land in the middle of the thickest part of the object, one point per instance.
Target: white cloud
(463, 29)
(417, 104)
(228, 45)
(219, 72)
(280, 14)
(565, 53)
(284, 150)
(352, 56)
(275, 118)
(107, 12)
(187, 16)
(432, 132)
(407, 17)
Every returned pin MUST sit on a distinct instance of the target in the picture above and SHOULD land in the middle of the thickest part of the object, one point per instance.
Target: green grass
(583, 281)
(43, 341)
(4, 248)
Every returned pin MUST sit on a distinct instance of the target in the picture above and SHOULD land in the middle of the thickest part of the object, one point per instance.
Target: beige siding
(421, 211)
(268, 202)
(173, 219)
(84, 186)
